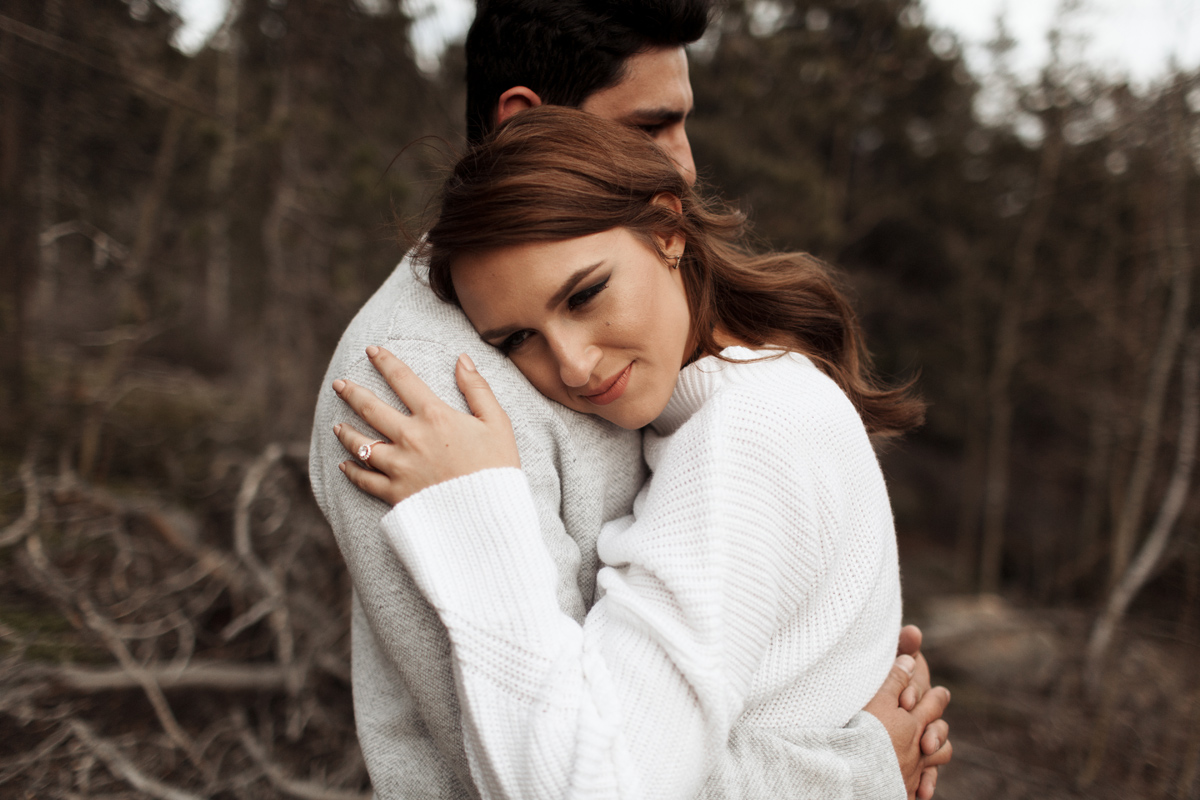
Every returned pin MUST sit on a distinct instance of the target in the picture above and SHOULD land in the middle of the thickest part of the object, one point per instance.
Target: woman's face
(599, 323)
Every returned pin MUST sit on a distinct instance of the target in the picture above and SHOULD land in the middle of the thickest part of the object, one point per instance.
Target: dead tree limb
(145, 81)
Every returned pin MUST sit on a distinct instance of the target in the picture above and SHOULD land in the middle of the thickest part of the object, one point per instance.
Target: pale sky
(1122, 37)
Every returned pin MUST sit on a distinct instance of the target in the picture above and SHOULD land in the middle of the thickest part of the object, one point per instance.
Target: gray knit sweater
(581, 472)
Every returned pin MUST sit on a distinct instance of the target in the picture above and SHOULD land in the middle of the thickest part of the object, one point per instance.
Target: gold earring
(675, 263)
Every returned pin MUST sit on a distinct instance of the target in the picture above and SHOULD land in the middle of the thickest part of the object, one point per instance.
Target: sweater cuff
(475, 548)
(879, 776)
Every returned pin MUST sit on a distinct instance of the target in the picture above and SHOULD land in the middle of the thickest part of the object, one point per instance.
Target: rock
(988, 642)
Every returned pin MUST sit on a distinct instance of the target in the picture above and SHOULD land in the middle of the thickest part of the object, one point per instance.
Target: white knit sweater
(757, 578)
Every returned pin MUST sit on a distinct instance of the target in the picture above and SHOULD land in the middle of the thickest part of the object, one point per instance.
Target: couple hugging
(537, 614)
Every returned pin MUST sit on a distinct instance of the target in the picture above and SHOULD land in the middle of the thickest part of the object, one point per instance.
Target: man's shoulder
(428, 334)
(407, 317)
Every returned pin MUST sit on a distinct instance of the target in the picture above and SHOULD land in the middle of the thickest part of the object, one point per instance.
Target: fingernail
(467, 363)
(372, 351)
(342, 466)
(338, 385)
(337, 430)
(906, 663)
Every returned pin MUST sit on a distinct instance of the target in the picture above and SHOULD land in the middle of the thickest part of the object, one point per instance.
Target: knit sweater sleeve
(639, 701)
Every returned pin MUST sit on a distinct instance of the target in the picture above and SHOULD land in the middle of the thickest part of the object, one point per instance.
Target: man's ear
(669, 200)
(518, 98)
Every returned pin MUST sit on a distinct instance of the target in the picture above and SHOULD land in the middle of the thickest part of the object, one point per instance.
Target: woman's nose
(576, 361)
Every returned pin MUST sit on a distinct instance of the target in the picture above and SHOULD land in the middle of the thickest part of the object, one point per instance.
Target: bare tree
(1178, 264)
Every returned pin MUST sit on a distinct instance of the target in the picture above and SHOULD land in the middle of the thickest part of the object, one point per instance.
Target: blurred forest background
(183, 238)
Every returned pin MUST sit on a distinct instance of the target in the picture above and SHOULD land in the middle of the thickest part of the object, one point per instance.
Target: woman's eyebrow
(568, 286)
(570, 283)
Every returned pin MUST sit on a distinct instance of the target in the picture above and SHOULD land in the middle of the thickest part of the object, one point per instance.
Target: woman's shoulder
(766, 398)
(782, 384)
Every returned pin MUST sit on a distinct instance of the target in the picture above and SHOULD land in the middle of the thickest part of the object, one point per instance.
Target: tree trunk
(1143, 567)
(17, 226)
(47, 276)
(1007, 354)
(1179, 266)
(217, 270)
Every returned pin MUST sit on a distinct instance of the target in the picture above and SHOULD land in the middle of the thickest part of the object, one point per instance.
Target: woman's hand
(433, 445)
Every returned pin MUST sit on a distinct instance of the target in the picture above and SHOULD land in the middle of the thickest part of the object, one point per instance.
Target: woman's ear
(518, 98)
(670, 246)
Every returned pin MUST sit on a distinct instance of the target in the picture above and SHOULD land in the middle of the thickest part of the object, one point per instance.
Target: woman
(758, 571)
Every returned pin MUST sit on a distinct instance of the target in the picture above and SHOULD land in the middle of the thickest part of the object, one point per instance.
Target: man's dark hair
(565, 50)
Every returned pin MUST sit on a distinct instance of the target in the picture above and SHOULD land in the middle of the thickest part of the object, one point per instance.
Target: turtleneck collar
(698, 382)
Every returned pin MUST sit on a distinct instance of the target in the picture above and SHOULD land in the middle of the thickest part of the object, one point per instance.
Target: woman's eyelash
(580, 298)
(513, 341)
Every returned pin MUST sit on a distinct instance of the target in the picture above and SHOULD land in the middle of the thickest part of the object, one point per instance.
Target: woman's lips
(613, 391)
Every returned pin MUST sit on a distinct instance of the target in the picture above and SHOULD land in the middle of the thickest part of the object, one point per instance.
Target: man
(621, 59)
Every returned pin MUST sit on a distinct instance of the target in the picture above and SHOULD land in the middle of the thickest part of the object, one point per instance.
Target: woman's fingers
(478, 394)
(354, 441)
(376, 413)
(411, 390)
(371, 482)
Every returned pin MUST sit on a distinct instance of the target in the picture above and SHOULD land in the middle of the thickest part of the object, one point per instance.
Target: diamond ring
(364, 451)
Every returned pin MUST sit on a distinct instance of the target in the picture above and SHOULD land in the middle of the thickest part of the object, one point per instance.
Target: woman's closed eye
(576, 301)
(513, 341)
(581, 298)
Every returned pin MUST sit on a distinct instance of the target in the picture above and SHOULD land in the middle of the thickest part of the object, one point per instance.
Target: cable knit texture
(754, 585)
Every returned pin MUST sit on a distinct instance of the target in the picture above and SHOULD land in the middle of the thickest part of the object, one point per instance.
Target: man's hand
(910, 645)
(919, 735)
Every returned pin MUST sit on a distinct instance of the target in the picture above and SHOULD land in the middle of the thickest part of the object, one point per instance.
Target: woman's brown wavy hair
(553, 173)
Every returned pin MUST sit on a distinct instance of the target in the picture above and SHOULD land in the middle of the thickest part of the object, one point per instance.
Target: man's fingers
(932, 705)
(910, 641)
(909, 698)
(942, 756)
(928, 783)
(897, 679)
(921, 681)
(476, 391)
(411, 390)
(934, 736)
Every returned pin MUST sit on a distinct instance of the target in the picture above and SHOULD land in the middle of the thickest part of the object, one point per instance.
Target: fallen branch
(124, 769)
(17, 531)
(303, 790)
(211, 675)
(13, 766)
(269, 583)
(108, 633)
